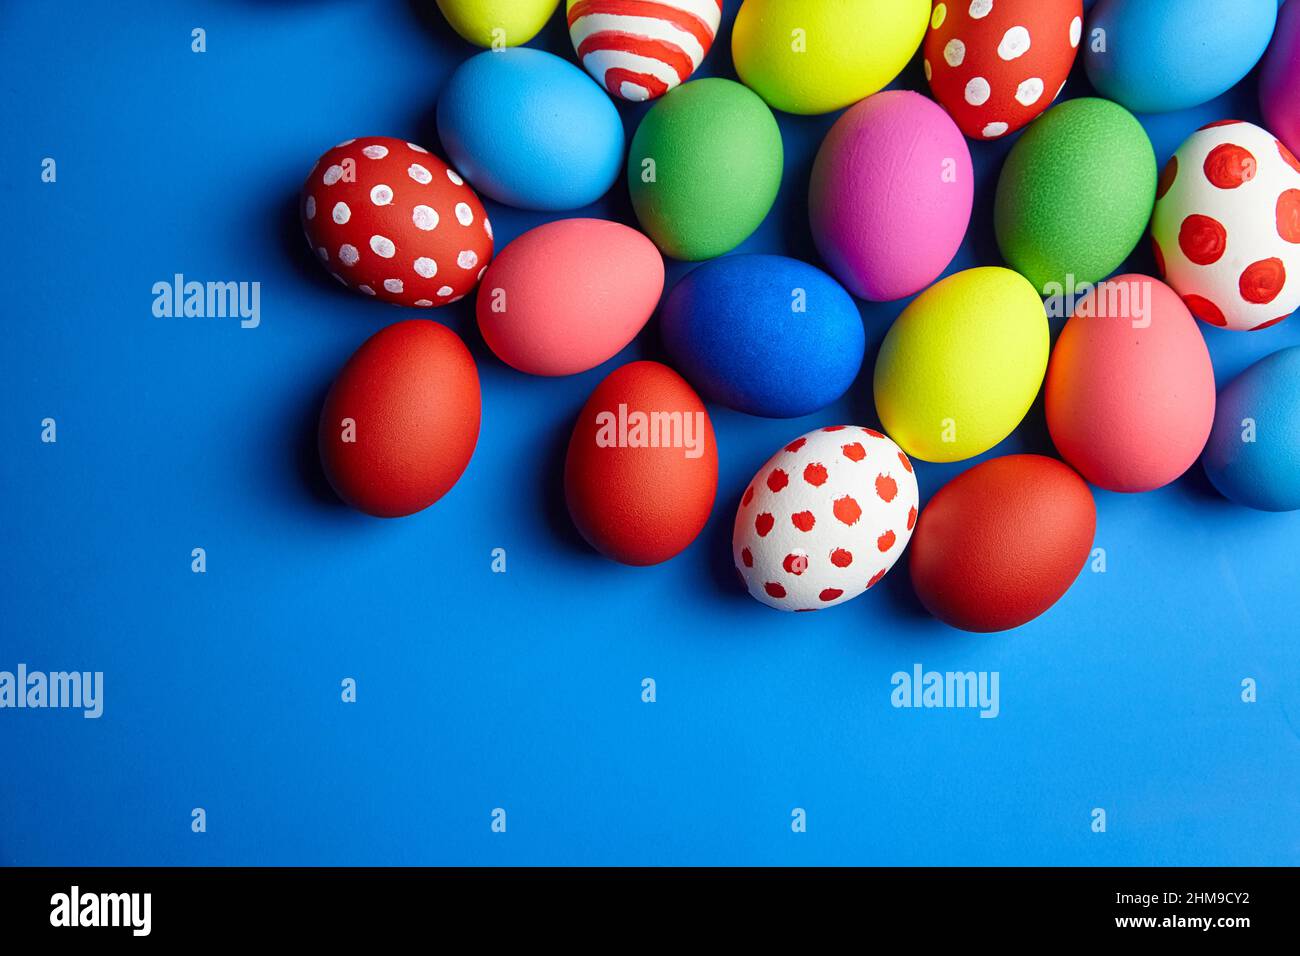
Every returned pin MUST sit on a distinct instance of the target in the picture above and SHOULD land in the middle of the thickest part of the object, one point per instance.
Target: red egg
(642, 468)
(400, 423)
(389, 219)
(1000, 544)
(996, 65)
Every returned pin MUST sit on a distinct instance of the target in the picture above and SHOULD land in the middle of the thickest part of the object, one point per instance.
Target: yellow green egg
(497, 23)
(963, 364)
(817, 56)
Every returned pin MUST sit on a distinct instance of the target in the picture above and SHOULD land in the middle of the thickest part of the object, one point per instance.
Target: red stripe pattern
(640, 49)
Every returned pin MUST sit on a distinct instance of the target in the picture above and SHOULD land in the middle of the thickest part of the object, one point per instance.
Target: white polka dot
(311, 207)
(348, 254)
(426, 267)
(418, 149)
(424, 217)
(978, 91)
(341, 213)
(323, 253)
(375, 152)
(1015, 42)
(940, 14)
(366, 289)
(383, 246)
(1076, 31)
(994, 130)
(446, 291)
(979, 9)
(481, 273)
(929, 73)
(342, 281)
(381, 195)
(955, 52)
(1058, 90)
(346, 142)
(393, 285)
(468, 259)
(419, 173)
(464, 215)
(454, 177)
(332, 175)
(487, 227)
(424, 303)
(1029, 92)
(457, 299)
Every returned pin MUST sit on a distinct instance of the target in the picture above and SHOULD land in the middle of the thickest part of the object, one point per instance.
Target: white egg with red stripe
(825, 519)
(640, 49)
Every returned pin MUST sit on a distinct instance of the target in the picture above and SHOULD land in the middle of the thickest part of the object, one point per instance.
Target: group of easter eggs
(1130, 392)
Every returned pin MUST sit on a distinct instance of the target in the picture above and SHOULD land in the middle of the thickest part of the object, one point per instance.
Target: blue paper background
(518, 690)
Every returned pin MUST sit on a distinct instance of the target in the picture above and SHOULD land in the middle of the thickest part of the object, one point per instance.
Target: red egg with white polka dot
(390, 220)
(996, 64)
(825, 519)
(1226, 226)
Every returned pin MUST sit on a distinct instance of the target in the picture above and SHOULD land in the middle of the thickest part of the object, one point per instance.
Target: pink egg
(891, 195)
(1130, 388)
(1279, 78)
(568, 295)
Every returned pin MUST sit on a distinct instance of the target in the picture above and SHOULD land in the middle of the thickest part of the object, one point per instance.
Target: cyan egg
(531, 130)
(1155, 56)
(766, 335)
(1253, 455)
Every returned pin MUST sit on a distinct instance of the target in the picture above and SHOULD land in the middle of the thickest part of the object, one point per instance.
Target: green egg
(704, 168)
(1075, 195)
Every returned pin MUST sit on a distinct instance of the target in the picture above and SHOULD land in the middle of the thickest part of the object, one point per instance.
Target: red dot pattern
(1202, 239)
(823, 501)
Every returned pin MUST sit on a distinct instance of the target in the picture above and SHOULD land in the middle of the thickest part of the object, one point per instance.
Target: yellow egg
(817, 56)
(962, 365)
(497, 23)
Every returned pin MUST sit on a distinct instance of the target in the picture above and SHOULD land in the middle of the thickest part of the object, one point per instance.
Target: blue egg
(765, 335)
(1253, 455)
(531, 130)
(1154, 56)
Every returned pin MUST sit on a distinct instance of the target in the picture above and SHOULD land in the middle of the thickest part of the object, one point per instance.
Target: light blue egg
(1253, 455)
(1154, 56)
(766, 335)
(531, 130)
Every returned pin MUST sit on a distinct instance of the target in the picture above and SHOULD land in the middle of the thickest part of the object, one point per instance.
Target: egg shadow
(717, 555)
(552, 503)
(306, 452)
(293, 244)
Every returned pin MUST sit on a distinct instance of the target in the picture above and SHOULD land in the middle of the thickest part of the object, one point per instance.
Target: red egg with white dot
(390, 220)
(825, 518)
(1226, 226)
(995, 65)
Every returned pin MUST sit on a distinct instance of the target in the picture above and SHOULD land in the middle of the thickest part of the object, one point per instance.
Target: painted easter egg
(400, 423)
(1279, 79)
(704, 168)
(1253, 455)
(390, 220)
(568, 295)
(1130, 388)
(641, 50)
(1001, 543)
(824, 519)
(642, 468)
(891, 195)
(818, 56)
(1226, 226)
(1084, 154)
(764, 335)
(996, 65)
(1154, 56)
(962, 365)
(500, 23)
(531, 130)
